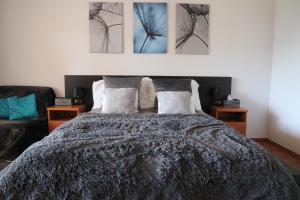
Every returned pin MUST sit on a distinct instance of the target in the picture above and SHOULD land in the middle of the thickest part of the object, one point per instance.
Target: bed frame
(207, 86)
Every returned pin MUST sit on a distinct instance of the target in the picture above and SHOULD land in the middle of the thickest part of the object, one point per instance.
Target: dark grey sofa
(17, 135)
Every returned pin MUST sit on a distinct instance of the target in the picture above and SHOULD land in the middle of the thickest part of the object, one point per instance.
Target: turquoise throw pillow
(22, 107)
(4, 111)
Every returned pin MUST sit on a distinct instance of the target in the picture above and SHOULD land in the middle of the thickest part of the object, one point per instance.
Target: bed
(146, 156)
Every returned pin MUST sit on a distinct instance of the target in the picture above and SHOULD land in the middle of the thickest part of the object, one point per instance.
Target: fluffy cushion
(120, 100)
(174, 102)
(122, 82)
(22, 107)
(195, 96)
(4, 110)
(146, 94)
(98, 93)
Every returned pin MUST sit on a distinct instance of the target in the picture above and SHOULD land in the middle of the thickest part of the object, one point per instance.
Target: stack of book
(231, 103)
(63, 101)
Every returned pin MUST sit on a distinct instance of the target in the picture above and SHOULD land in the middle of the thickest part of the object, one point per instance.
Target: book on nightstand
(63, 101)
(232, 103)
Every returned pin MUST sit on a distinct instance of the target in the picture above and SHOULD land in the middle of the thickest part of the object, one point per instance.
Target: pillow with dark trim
(122, 82)
(182, 85)
(174, 96)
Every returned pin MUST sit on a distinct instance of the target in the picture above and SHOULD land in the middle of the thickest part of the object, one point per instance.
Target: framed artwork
(106, 27)
(150, 28)
(192, 29)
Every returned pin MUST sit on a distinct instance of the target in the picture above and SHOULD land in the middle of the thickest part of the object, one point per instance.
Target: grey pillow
(122, 82)
(183, 85)
(175, 102)
(120, 100)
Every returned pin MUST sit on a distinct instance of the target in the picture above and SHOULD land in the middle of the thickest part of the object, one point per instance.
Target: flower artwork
(192, 29)
(150, 27)
(106, 27)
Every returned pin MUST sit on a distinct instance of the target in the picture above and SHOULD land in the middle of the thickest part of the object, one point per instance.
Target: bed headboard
(207, 86)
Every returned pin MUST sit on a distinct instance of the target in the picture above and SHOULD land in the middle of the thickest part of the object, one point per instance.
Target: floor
(282, 153)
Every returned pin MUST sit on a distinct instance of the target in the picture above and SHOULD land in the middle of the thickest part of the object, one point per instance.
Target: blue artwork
(150, 27)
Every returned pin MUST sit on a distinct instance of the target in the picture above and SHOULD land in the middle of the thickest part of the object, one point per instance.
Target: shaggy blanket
(146, 156)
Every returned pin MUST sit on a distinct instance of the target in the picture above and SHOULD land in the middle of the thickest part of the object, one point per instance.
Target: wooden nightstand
(58, 115)
(234, 117)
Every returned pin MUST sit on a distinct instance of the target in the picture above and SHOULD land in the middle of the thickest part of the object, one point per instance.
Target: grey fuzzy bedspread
(146, 156)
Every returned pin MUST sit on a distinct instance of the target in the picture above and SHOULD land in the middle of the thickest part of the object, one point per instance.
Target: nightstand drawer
(239, 126)
(233, 117)
(62, 115)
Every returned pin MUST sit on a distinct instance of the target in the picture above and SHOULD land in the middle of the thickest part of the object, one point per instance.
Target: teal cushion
(4, 111)
(22, 107)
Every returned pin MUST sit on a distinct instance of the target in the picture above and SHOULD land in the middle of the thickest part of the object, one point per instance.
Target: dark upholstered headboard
(207, 86)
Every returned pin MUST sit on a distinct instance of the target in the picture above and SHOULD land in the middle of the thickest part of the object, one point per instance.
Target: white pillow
(98, 92)
(174, 102)
(147, 94)
(195, 96)
(120, 100)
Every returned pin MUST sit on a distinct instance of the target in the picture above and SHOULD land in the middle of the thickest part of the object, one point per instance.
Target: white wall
(285, 92)
(42, 40)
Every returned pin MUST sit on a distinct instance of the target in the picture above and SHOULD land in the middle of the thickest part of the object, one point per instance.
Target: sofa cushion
(22, 107)
(17, 135)
(44, 95)
(4, 111)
